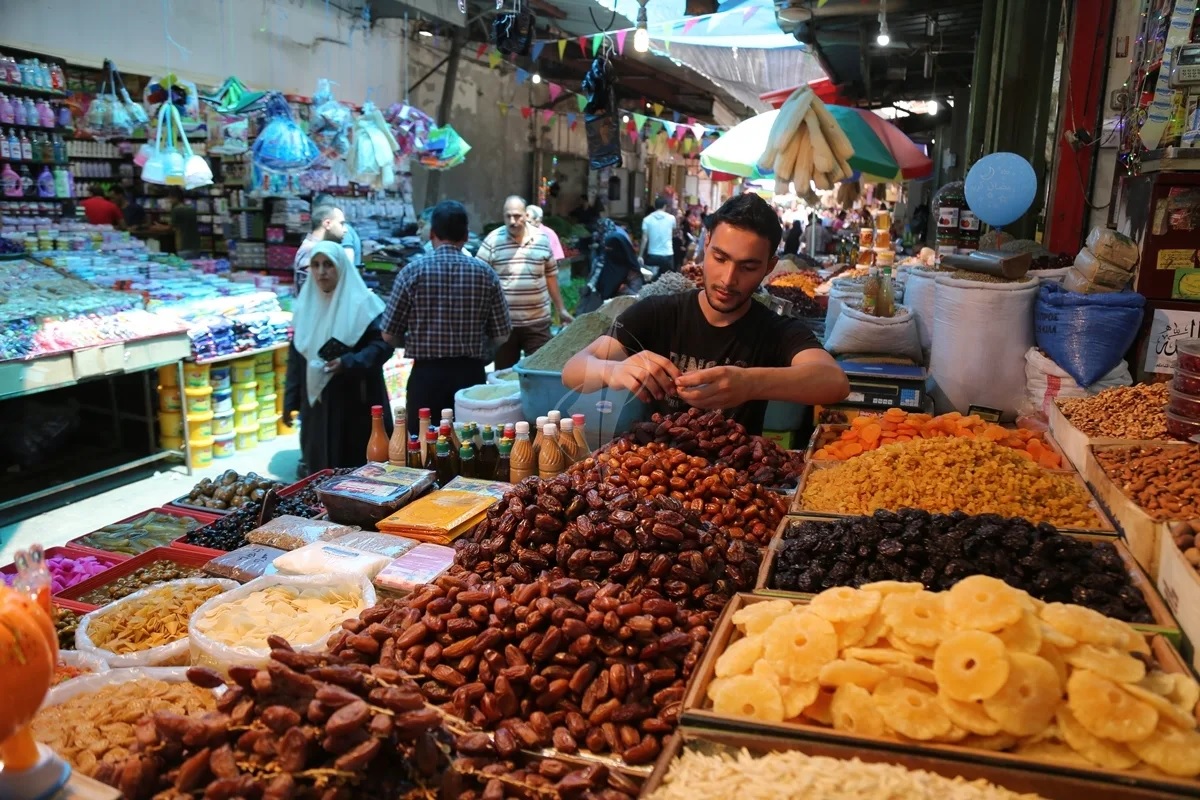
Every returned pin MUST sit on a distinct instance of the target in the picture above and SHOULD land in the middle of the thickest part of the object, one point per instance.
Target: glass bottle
(445, 462)
(447, 430)
(503, 460)
(522, 462)
(551, 459)
(448, 416)
(398, 445)
(377, 445)
(488, 454)
(466, 461)
(414, 453)
(431, 437)
(871, 292)
(424, 420)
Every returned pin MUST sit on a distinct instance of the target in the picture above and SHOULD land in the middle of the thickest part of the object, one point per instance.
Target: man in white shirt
(658, 229)
(328, 225)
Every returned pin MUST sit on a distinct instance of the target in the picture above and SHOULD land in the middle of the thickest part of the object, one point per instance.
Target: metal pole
(433, 186)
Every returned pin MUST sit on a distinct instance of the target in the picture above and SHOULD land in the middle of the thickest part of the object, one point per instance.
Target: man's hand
(716, 387)
(333, 367)
(286, 419)
(646, 374)
(564, 317)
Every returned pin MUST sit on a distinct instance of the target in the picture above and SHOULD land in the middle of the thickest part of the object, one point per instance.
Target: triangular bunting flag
(656, 126)
(658, 109)
(633, 136)
(675, 116)
(522, 75)
(749, 12)
(691, 23)
(536, 52)
(700, 130)
(571, 116)
(583, 40)
(670, 126)
(547, 114)
(597, 38)
(562, 48)
(581, 101)
(503, 109)
(526, 112)
(555, 91)
(621, 42)
(494, 59)
(639, 120)
(481, 50)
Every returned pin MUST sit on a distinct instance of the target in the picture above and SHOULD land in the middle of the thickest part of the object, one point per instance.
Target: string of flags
(590, 44)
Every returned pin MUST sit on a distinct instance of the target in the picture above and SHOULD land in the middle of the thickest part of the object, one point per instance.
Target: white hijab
(342, 314)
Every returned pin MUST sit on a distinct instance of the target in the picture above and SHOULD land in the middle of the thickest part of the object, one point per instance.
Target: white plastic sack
(839, 295)
(166, 655)
(89, 684)
(1096, 270)
(1114, 247)
(1076, 281)
(1046, 381)
(489, 403)
(856, 332)
(92, 664)
(981, 332)
(503, 376)
(919, 292)
(208, 652)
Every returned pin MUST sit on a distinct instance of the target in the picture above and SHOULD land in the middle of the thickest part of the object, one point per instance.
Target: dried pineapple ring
(1113, 755)
(1054, 656)
(739, 656)
(757, 617)
(798, 645)
(1106, 711)
(910, 708)
(916, 617)
(851, 671)
(819, 710)
(998, 742)
(926, 652)
(1026, 703)
(845, 604)
(1186, 692)
(1052, 751)
(1053, 636)
(747, 696)
(969, 716)
(955, 735)
(850, 634)
(983, 603)
(1083, 624)
(714, 687)
(1167, 711)
(797, 697)
(853, 710)
(1108, 661)
(1175, 751)
(971, 665)
(892, 587)
(1023, 636)
(912, 671)
(877, 655)
(876, 629)
(763, 669)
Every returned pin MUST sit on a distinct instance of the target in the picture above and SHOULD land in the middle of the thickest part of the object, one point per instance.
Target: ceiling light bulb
(883, 40)
(641, 37)
(625, 118)
(425, 33)
(932, 108)
(537, 77)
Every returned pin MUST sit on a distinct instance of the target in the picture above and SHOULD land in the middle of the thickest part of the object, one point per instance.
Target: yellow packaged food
(440, 515)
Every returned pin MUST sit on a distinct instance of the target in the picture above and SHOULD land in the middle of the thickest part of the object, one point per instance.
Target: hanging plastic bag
(372, 156)
(196, 171)
(282, 146)
(330, 121)
(444, 149)
(176, 91)
(1086, 334)
(600, 123)
(107, 117)
(410, 128)
(154, 167)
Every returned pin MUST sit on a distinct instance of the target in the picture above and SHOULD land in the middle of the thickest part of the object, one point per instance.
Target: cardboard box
(1075, 442)
(1179, 584)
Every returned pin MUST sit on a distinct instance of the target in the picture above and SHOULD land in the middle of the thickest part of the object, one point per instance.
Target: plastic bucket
(200, 426)
(169, 399)
(266, 384)
(267, 429)
(247, 437)
(266, 407)
(170, 424)
(242, 370)
(222, 423)
(608, 412)
(280, 358)
(222, 400)
(244, 393)
(224, 445)
(200, 452)
(168, 375)
(194, 374)
(220, 377)
(199, 399)
(245, 416)
(170, 442)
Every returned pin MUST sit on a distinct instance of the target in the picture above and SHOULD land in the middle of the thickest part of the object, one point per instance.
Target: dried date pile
(939, 550)
(563, 663)
(723, 442)
(577, 527)
(484, 778)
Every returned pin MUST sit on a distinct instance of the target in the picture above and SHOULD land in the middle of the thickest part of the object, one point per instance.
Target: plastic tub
(242, 370)
(247, 437)
(1188, 382)
(169, 399)
(224, 445)
(267, 428)
(608, 412)
(200, 426)
(170, 424)
(280, 358)
(266, 384)
(245, 416)
(266, 407)
(195, 375)
(264, 362)
(1183, 428)
(1183, 404)
(244, 393)
(199, 399)
(219, 377)
(171, 443)
(201, 452)
(222, 400)
(1189, 354)
(261, 369)
(222, 423)
(168, 375)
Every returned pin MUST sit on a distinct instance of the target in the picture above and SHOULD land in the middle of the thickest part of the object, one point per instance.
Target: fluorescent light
(883, 40)
(932, 108)
(537, 77)
(425, 33)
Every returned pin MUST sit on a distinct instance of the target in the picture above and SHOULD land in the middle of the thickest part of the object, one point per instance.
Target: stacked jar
(1183, 409)
(245, 402)
(170, 408)
(264, 374)
(198, 406)
(220, 378)
(948, 203)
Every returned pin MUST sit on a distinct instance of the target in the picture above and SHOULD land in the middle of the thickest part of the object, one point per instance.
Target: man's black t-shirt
(675, 327)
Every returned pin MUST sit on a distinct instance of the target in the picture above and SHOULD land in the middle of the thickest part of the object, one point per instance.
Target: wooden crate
(698, 712)
(1050, 784)
(1179, 584)
(1075, 443)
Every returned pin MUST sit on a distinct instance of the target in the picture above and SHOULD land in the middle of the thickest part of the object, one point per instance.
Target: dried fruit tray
(1016, 779)
(1075, 443)
(181, 505)
(108, 559)
(296, 488)
(1164, 621)
(1105, 527)
(203, 518)
(1179, 583)
(698, 713)
(74, 605)
(181, 557)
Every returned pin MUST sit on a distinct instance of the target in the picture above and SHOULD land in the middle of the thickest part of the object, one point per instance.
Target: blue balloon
(1000, 188)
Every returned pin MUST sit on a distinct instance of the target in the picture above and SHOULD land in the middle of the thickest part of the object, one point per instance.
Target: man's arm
(551, 271)
(606, 362)
(812, 377)
(645, 241)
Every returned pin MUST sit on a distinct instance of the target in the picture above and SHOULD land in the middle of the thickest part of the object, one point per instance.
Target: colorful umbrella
(880, 149)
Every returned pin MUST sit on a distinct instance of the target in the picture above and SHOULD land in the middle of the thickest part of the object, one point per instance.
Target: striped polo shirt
(523, 268)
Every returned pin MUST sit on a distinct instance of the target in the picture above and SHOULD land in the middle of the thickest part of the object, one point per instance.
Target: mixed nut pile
(1123, 412)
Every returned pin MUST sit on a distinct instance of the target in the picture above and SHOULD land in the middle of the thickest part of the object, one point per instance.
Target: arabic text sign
(1167, 329)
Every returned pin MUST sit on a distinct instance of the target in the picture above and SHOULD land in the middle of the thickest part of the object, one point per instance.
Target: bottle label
(967, 221)
(947, 217)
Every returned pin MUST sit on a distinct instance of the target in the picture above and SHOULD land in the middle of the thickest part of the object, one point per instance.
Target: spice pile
(896, 425)
(1163, 481)
(947, 475)
(983, 665)
(1123, 412)
(555, 354)
(938, 550)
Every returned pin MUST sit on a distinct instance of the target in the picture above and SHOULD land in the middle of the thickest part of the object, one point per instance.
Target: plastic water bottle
(18, 111)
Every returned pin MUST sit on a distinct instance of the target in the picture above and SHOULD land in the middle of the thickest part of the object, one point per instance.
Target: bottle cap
(413, 444)
(554, 416)
(568, 425)
(376, 411)
(578, 419)
(505, 446)
(549, 429)
(425, 413)
(445, 429)
(541, 422)
(443, 446)
(487, 433)
(466, 451)
(447, 413)
(522, 429)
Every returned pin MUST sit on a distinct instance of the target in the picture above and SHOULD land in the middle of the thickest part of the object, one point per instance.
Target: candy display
(153, 529)
(938, 550)
(981, 665)
(1161, 480)
(230, 490)
(945, 475)
(141, 578)
(1122, 412)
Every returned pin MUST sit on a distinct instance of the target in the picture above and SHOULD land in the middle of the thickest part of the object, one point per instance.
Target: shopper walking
(520, 255)
(335, 363)
(449, 310)
(328, 225)
(535, 214)
(658, 229)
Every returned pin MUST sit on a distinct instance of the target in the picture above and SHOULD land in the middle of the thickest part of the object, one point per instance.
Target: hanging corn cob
(806, 144)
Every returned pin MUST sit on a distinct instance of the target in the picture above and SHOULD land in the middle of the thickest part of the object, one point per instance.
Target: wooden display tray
(181, 557)
(1106, 527)
(697, 712)
(1050, 785)
(1075, 443)
(1180, 586)
(1140, 530)
(1164, 624)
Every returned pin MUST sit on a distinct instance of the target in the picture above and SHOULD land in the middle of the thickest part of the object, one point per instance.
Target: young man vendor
(716, 347)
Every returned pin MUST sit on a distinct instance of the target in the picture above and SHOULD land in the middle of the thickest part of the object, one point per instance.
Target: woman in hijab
(335, 364)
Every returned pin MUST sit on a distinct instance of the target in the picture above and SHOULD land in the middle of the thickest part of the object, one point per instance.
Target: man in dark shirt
(450, 310)
(134, 214)
(716, 347)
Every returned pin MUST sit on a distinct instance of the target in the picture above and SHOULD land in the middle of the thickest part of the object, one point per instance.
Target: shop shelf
(181, 557)
(108, 559)
(203, 518)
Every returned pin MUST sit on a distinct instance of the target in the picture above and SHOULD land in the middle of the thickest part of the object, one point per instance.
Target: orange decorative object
(28, 653)
(896, 425)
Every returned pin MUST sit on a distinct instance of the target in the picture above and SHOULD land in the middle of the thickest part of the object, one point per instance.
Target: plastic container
(199, 399)
(261, 369)
(169, 399)
(1188, 382)
(171, 443)
(168, 375)
(127, 566)
(109, 560)
(1183, 428)
(266, 384)
(266, 429)
(244, 393)
(222, 400)
(170, 424)
(242, 370)
(280, 358)
(247, 437)
(1183, 404)
(266, 407)
(200, 452)
(1189, 355)
(264, 362)
(608, 412)
(220, 377)
(195, 375)
(245, 416)
(200, 426)
(224, 445)
(222, 423)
